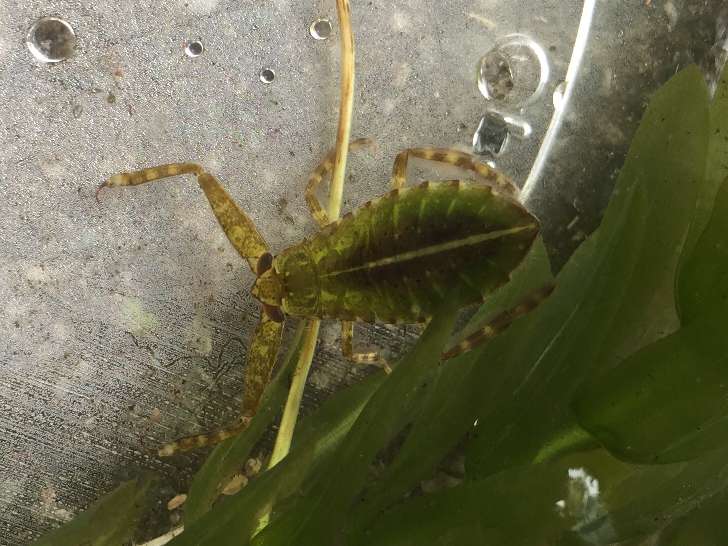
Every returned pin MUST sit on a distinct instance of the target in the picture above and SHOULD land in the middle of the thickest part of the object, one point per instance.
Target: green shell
(396, 258)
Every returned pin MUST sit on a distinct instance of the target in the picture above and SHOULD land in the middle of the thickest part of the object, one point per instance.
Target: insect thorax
(297, 271)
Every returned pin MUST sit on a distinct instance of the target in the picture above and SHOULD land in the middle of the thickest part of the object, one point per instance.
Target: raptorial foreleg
(239, 229)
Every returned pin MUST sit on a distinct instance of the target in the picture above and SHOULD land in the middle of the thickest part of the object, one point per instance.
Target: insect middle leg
(347, 348)
(452, 157)
(317, 177)
(261, 358)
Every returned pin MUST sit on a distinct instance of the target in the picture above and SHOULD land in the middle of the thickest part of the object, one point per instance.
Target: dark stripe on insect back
(420, 287)
(398, 258)
(431, 250)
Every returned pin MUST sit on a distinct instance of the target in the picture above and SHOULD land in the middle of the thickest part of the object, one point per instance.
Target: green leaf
(690, 297)
(704, 526)
(647, 498)
(703, 283)
(110, 521)
(613, 296)
(478, 513)
(314, 445)
(581, 499)
(667, 402)
(321, 514)
(538, 504)
(230, 456)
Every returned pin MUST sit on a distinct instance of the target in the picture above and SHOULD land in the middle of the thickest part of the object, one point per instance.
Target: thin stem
(295, 393)
(343, 134)
(336, 189)
(290, 414)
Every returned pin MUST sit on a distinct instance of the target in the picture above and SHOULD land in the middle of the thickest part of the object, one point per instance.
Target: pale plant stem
(336, 189)
(346, 107)
(295, 393)
(290, 414)
(164, 539)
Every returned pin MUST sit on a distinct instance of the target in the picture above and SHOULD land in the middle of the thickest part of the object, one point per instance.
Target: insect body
(395, 260)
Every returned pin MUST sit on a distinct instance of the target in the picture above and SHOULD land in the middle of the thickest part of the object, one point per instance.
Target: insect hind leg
(499, 323)
(204, 440)
(347, 348)
(317, 177)
(451, 157)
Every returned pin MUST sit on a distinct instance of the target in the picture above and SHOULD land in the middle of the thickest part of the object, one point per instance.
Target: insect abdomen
(398, 258)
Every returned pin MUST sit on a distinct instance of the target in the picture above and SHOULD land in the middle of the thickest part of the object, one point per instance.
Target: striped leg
(203, 440)
(261, 359)
(239, 229)
(243, 235)
(501, 321)
(347, 348)
(452, 157)
(317, 176)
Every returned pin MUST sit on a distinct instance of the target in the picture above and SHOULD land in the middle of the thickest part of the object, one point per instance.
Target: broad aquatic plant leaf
(110, 521)
(703, 283)
(704, 526)
(668, 402)
(230, 456)
(537, 504)
(316, 440)
(651, 496)
(716, 171)
(321, 515)
(581, 499)
(612, 297)
(477, 513)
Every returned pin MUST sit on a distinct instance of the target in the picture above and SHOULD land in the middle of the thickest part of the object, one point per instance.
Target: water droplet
(320, 29)
(491, 135)
(51, 40)
(514, 71)
(194, 49)
(558, 97)
(267, 75)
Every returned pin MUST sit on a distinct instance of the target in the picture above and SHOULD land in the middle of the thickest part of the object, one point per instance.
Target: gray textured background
(125, 323)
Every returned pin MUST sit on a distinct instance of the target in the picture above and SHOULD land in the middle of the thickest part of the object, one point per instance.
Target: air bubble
(194, 49)
(267, 75)
(320, 29)
(51, 40)
(515, 71)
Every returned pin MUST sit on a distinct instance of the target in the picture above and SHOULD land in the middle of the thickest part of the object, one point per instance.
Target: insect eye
(274, 313)
(264, 263)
